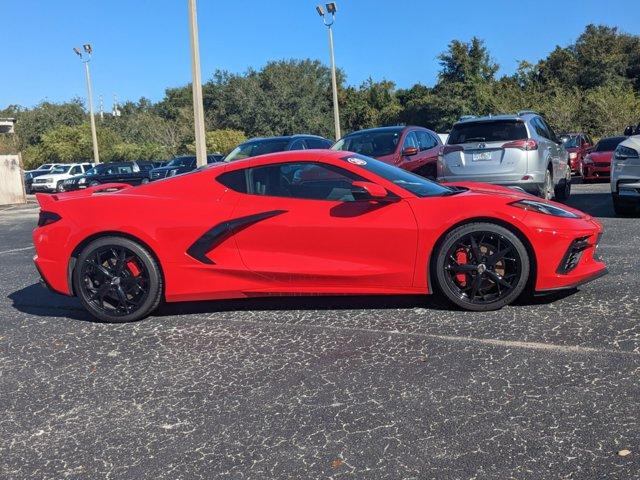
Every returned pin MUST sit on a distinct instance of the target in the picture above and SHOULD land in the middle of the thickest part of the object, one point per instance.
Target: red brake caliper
(462, 258)
(133, 268)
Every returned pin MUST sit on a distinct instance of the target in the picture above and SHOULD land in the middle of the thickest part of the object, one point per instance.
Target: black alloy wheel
(117, 280)
(482, 266)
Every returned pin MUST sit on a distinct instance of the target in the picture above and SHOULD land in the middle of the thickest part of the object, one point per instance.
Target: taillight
(47, 218)
(451, 148)
(522, 144)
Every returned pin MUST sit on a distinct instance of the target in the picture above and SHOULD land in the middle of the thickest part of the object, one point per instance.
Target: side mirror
(368, 190)
(409, 151)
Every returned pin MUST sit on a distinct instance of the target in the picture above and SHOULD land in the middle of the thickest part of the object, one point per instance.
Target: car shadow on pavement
(38, 301)
(41, 302)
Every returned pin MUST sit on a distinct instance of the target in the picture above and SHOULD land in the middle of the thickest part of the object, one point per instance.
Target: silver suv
(519, 150)
(625, 176)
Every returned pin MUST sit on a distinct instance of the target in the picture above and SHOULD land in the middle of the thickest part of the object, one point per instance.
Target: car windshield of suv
(415, 184)
(257, 147)
(373, 143)
(608, 144)
(60, 169)
(489, 131)
(182, 162)
(570, 141)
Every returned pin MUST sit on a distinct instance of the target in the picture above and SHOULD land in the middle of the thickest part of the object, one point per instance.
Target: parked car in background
(179, 165)
(519, 150)
(578, 146)
(46, 167)
(412, 148)
(53, 181)
(29, 176)
(625, 176)
(443, 137)
(262, 146)
(133, 173)
(597, 163)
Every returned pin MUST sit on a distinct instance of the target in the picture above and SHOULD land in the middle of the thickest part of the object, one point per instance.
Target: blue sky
(142, 46)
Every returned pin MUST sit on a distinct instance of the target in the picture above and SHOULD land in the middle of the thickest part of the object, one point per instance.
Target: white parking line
(575, 349)
(16, 250)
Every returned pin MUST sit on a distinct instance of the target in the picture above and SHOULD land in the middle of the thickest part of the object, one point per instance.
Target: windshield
(372, 143)
(415, 184)
(490, 131)
(608, 144)
(182, 162)
(60, 169)
(570, 141)
(257, 147)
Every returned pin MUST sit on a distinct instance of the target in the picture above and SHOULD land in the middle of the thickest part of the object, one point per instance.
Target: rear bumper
(530, 182)
(51, 274)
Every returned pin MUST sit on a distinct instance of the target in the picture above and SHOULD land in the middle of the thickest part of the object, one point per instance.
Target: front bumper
(560, 264)
(593, 172)
(43, 187)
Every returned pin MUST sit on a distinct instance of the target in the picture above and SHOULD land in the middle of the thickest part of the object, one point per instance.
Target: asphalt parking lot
(362, 387)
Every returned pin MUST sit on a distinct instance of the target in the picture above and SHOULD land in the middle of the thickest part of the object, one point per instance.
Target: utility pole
(86, 59)
(101, 108)
(331, 8)
(196, 82)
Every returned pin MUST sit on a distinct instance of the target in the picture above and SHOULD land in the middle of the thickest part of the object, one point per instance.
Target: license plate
(480, 157)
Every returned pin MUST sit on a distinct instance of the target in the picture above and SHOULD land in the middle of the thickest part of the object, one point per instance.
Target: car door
(308, 230)
(560, 155)
(429, 147)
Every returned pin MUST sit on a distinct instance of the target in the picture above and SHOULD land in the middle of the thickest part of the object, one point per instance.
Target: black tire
(94, 184)
(546, 189)
(144, 181)
(475, 284)
(60, 187)
(622, 209)
(563, 190)
(117, 287)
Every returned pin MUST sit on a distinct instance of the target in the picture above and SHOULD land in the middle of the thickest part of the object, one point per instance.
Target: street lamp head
(320, 10)
(78, 52)
(87, 48)
(331, 8)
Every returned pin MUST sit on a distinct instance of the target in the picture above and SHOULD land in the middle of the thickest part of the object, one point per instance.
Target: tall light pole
(328, 21)
(86, 59)
(196, 82)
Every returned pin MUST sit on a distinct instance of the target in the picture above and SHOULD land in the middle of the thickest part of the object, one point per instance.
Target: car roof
(390, 128)
(493, 118)
(285, 137)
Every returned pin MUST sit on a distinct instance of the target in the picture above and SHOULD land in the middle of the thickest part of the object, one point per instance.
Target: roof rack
(525, 112)
(466, 117)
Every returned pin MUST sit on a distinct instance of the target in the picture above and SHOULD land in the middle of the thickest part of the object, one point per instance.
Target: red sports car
(307, 222)
(597, 164)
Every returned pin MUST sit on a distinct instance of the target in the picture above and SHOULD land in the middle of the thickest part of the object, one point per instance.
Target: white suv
(625, 176)
(54, 181)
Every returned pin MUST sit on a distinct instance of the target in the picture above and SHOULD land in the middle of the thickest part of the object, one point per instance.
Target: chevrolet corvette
(313, 222)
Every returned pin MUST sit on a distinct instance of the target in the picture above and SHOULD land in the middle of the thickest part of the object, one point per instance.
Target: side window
(75, 170)
(298, 145)
(552, 135)
(235, 180)
(410, 140)
(425, 140)
(318, 143)
(302, 180)
(540, 128)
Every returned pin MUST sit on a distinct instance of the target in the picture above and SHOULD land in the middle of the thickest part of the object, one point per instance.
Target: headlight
(82, 180)
(172, 172)
(544, 208)
(573, 155)
(622, 153)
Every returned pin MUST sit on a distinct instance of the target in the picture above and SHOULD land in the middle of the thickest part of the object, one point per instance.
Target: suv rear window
(493, 131)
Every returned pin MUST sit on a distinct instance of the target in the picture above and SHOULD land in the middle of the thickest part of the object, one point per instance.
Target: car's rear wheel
(622, 209)
(546, 190)
(481, 266)
(144, 181)
(563, 189)
(94, 183)
(117, 280)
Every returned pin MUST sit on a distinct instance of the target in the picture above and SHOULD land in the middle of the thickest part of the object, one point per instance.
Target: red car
(306, 222)
(578, 146)
(597, 164)
(412, 148)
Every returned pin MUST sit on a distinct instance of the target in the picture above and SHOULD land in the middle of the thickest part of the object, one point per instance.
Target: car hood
(509, 195)
(601, 156)
(53, 177)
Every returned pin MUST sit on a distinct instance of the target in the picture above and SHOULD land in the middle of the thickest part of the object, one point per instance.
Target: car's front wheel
(563, 190)
(546, 189)
(481, 266)
(117, 280)
(60, 186)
